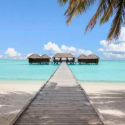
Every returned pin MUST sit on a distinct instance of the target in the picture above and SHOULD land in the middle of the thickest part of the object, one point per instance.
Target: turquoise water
(21, 70)
(106, 71)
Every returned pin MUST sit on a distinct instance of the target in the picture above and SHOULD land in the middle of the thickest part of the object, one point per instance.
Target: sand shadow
(111, 104)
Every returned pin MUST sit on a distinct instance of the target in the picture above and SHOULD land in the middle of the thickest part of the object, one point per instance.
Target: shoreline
(100, 82)
(106, 82)
(80, 81)
(22, 81)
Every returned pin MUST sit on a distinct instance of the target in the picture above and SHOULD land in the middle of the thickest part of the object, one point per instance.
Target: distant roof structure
(81, 57)
(34, 56)
(45, 57)
(92, 56)
(64, 55)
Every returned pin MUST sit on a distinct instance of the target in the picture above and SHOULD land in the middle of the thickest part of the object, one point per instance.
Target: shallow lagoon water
(105, 71)
(21, 70)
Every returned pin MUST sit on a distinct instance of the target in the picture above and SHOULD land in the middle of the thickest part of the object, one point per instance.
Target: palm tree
(106, 9)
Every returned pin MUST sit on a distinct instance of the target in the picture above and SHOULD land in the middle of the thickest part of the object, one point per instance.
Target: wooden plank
(30, 101)
(96, 110)
(62, 101)
(58, 123)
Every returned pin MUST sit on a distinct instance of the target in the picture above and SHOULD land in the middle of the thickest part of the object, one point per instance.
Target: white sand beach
(13, 96)
(108, 98)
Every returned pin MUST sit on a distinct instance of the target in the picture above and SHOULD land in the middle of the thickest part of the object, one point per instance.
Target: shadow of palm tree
(10, 105)
(111, 104)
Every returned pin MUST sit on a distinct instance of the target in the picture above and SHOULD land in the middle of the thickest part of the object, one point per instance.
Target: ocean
(21, 70)
(105, 71)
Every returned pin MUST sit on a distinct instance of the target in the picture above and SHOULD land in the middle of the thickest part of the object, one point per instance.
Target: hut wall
(34, 60)
(88, 61)
(45, 60)
(92, 61)
(81, 60)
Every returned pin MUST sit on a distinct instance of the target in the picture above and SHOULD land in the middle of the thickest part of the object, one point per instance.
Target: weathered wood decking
(61, 102)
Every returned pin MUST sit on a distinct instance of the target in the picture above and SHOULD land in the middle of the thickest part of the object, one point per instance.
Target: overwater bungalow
(91, 59)
(64, 57)
(45, 59)
(81, 59)
(34, 58)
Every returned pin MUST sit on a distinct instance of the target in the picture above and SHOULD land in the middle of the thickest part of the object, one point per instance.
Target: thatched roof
(34, 56)
(45, 57)
(92, 56)
(81, 57)
(64, 55)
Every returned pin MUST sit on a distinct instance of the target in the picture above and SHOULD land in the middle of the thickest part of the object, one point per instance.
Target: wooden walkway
(60, 102)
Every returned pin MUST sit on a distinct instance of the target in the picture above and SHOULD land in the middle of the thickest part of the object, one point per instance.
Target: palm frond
(117, 21)
(62, 2)
(77, 7)
(101, 9)
(106, 9)
(108, 13)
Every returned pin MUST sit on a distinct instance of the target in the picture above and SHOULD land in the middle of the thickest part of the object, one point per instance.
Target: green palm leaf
(106, 9)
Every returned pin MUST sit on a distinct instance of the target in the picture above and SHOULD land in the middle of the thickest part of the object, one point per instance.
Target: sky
(39, 26)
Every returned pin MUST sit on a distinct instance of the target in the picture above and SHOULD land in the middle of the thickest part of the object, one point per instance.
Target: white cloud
(1, 56)
(12, 53)
(67, 49)
(122, 35)
(101, 49)
(115, 49)
(82, 51)
(114, 56)
(114, 46)
(54, 48)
